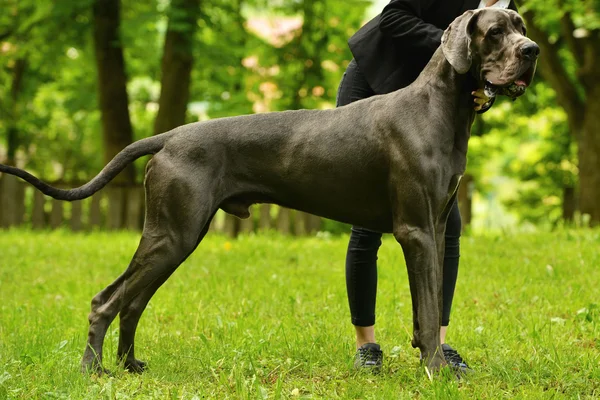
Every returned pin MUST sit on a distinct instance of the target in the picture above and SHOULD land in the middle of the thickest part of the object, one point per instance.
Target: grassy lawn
(267, 317)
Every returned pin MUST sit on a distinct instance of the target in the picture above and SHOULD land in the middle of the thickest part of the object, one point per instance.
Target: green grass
(267, 317)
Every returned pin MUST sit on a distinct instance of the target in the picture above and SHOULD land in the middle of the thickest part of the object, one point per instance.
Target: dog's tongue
(520, 82)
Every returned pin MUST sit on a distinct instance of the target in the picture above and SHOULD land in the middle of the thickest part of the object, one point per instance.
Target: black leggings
(361, 258)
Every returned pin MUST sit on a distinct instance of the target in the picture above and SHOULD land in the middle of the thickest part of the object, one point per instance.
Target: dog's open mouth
(512, 89)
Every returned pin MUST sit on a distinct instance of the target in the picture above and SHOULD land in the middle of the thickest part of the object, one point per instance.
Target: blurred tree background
(80, 80)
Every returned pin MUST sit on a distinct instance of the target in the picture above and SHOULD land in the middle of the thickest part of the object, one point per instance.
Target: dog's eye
(524, 31)
(496, 31)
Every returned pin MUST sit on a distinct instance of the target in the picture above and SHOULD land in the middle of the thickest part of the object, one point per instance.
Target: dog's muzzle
(528, 53)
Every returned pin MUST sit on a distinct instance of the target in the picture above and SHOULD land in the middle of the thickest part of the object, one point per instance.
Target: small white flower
(395, 351)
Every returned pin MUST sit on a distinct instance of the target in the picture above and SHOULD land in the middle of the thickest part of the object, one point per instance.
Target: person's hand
(480, 99)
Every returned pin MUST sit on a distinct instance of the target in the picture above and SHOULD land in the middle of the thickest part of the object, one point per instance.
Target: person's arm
(401, 20)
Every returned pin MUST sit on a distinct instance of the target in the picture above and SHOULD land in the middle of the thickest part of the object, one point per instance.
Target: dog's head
(491, 43)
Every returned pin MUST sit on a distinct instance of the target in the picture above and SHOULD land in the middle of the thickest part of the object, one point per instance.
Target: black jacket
(394, 47)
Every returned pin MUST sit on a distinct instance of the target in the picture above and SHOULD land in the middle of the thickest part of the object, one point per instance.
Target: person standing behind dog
(390, 51)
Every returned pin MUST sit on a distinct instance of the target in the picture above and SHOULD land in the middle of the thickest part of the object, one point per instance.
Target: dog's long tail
(125, 157)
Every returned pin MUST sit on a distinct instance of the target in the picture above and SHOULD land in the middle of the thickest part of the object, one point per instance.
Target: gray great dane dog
(390, 163)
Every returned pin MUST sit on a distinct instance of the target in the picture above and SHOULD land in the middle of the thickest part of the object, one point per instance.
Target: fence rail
(122, 207)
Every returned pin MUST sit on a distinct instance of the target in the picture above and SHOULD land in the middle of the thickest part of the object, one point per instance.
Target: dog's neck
(453, 94)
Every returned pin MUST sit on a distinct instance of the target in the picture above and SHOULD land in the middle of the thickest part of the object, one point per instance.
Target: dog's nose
(530, 51)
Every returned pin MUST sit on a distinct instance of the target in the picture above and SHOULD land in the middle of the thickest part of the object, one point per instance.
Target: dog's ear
(456, 41)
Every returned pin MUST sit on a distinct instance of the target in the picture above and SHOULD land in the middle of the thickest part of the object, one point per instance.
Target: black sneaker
(454, 359)
(369, 357)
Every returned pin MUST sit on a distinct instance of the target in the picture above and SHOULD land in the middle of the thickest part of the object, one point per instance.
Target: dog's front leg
(440, 242)
(421, 254)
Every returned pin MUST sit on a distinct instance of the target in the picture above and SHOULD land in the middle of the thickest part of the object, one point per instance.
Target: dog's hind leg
(178, 214)
(130, 315)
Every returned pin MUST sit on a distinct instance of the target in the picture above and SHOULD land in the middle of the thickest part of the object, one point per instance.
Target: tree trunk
(38, 215)
(583, 109)
(177, 64)
(12, 193)
(308, 55)
(112, 91)
(12, 200)
(465, 200)
(12, 132)
(232, 225)
(589, 159)
(569, 204)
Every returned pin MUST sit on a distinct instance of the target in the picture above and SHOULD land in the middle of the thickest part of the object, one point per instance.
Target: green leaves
(255, 56)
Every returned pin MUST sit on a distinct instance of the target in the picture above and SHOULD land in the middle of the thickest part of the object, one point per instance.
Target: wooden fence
(122, 207)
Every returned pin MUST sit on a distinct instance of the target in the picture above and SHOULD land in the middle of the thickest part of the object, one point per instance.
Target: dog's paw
(92, 366)
(136, 366)
(96, 370)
